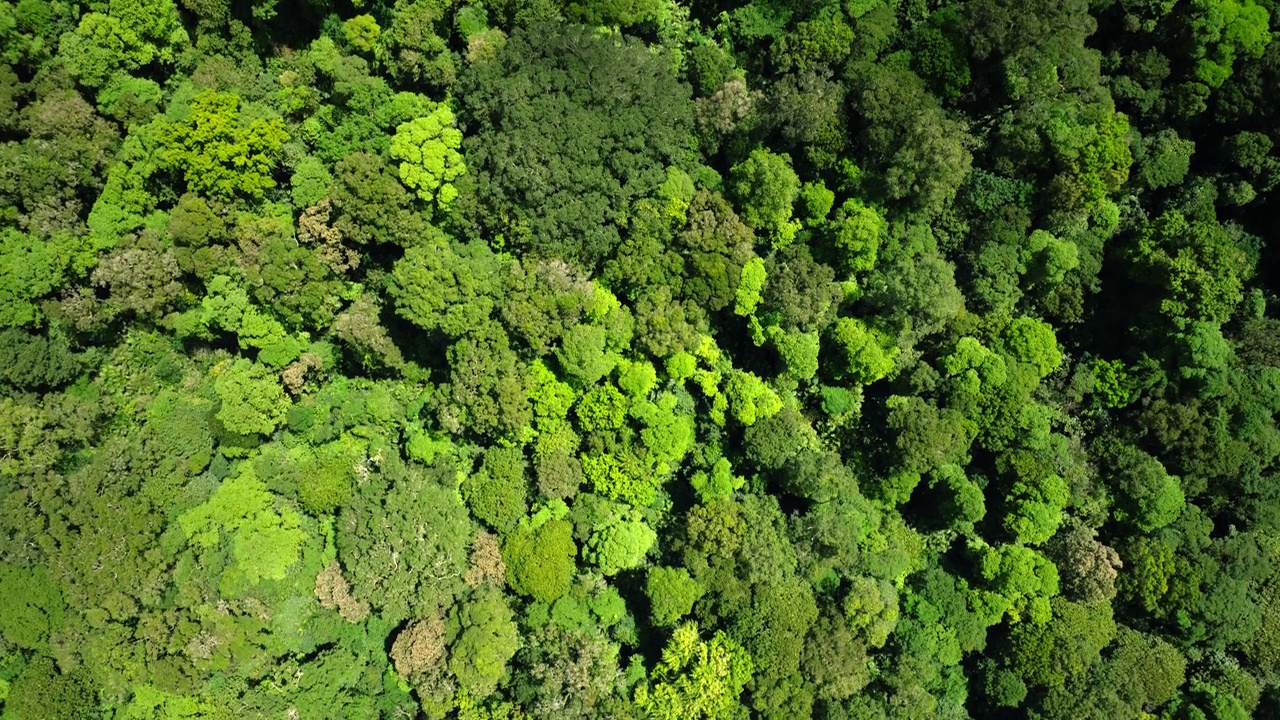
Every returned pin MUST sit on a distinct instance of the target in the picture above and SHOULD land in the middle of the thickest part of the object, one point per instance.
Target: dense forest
(515, 359)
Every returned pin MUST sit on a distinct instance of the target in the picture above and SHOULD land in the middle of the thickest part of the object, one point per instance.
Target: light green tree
(857, 231)
(750, 286)
(672, 593)
(766, 188)
(252, 400)
(619, 544)
(540, 556)
(265, 538)
(361, 32)
(33, 606)
(220, 150)
(1032, 341)
(427, 149)
(862, 355)
(696, 679)
(489, 639)
(123, 35)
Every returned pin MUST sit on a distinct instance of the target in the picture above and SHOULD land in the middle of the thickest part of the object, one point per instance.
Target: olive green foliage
(219, 150)
(405, 547)
(672, 593)
(847, 360)
(767, 188)
(34, 603)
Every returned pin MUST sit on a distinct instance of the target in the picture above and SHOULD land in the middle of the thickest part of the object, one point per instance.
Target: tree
(1035, 502)
(672, 593)
(540, 558)
(497, 494)
(253, 402)
(34, 605)
(219, 150)
(1046, 655)
(361, 32)
(766, 188)
(131, 34)
(1088, 569)
(40, 692)
(1221, 30)
(1150, 670)
(30, 268)
(405, 546)
(544, 176)
(438, 286)
(1166, 159)
(264, 541)
(620, 544)
(427, 149)
(1194, 265)
(417, 43)
(1151, 497)
(716, 246)
(371, 204)
(489, 639)
(696, 678)
(920, 152)
(1032, 341)
(487, 393)
(862, 355)
(857, 231)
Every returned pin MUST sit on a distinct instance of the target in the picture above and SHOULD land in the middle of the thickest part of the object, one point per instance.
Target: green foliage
(750, 399)
(1166, 159)
(437, 286)
(1032, 341)
(40, 692)
(1223, 29)
(747, 295)
(427, 148)
(544, 176)
(252, 400)
(857, 233)
(405, 548)
(497, 494)
(955, 395)
(720, 482)
(696, 678)
(33, 606)
(862, 357)
(265, 541)
(766, 188)
(1150, 497)
(31, 268)
(619, 544)
(361, 32)
(672, 593)
(123, 35)
(540, 559)
(1046, 655)
(220, 150)
(1195, 267)
(489, 639)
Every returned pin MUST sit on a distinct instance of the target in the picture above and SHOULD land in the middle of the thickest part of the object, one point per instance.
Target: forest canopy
(516, 359)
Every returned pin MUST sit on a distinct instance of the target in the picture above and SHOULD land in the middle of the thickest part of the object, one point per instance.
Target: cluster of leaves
(646, 359)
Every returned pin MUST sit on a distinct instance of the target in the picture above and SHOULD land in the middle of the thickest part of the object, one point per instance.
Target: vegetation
(854, 360)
